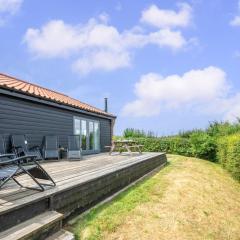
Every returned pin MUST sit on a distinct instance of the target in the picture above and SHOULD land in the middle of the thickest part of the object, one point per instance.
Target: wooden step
(39, 227)
(62, 235)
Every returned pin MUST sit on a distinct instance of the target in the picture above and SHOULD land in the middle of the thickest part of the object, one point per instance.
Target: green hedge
(219, 142)
(198, 145)
(169, 145)
(228, 154)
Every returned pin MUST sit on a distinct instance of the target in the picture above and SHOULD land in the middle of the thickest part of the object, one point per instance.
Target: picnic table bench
(121, 145)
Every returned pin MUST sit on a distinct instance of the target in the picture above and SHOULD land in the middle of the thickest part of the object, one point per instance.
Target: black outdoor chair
(12, 168)
(2, 145)
(21, 148)
(50, 147)
(3, 151)
(74, 147)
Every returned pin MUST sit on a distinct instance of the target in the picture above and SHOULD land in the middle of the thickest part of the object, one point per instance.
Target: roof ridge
(34, 84)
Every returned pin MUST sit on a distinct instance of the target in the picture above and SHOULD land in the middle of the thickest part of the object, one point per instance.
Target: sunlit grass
(188, 199)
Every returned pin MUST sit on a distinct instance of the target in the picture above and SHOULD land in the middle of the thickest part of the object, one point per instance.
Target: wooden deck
(79, 184)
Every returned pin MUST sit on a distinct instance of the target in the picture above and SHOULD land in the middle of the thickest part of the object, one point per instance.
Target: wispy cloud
(236, 20)
(8, 8)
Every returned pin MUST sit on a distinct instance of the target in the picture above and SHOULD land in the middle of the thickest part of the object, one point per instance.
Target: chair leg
(15, 180)
(5, 181)
(34, 179)
(8, 178)
(46, 174)
(31, 188)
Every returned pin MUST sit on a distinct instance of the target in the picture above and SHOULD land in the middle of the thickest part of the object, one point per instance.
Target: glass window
(91, 136)
(76, 126)
(96, 136)
(84, 134)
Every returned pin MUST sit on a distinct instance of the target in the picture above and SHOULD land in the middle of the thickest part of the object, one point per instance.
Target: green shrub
(203, 146)
(228, 153)
(180, 146)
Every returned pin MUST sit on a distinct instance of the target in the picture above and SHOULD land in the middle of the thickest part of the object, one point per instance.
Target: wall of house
(36, 120)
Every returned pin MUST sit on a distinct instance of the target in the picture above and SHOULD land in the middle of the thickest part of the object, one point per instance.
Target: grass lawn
(188, 199)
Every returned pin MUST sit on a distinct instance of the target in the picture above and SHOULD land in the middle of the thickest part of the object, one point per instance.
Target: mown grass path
(188, 199)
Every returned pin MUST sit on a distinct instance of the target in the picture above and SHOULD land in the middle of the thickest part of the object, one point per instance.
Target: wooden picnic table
(121, 145)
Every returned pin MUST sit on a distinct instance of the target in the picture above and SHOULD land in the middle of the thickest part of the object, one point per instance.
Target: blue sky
(164, 65)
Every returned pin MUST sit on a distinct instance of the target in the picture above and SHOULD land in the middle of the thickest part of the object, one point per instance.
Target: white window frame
(88, 151)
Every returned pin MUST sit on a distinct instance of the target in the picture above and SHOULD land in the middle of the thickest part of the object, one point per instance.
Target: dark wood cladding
(18, 116)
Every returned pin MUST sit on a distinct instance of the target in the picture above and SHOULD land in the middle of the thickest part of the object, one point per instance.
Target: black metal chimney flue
(106, 104)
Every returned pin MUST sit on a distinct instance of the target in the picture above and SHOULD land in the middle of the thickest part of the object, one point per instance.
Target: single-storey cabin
(35, 111)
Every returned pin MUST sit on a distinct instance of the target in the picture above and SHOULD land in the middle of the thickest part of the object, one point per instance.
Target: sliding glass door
(89, 131)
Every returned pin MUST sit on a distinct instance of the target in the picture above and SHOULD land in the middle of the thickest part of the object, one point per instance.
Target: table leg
(111, 149)
(128, 149)
(139, 150)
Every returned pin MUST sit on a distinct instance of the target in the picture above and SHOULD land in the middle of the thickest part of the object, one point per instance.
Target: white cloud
(54, 39)
(206, 90)
(168, 38)
(94, 39)
(8, 8)
(236, 20)
(58, 39)
(163, 18)
(97, 38)
(102, 60)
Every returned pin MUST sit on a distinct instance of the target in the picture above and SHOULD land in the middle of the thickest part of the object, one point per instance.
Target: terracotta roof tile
(18, 85)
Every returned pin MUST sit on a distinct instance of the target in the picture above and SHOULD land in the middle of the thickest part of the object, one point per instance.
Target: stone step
(62, 235)
(37, 228)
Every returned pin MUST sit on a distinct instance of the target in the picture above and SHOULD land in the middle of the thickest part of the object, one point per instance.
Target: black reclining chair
(12, 168)
(3, 151)
(2, 145)
(74, 148)
(21, 148)
(50, 147)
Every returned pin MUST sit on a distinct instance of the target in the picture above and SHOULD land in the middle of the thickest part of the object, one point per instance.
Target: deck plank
(67, 174)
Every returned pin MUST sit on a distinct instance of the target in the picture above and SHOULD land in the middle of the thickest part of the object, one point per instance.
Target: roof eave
(26, 96)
